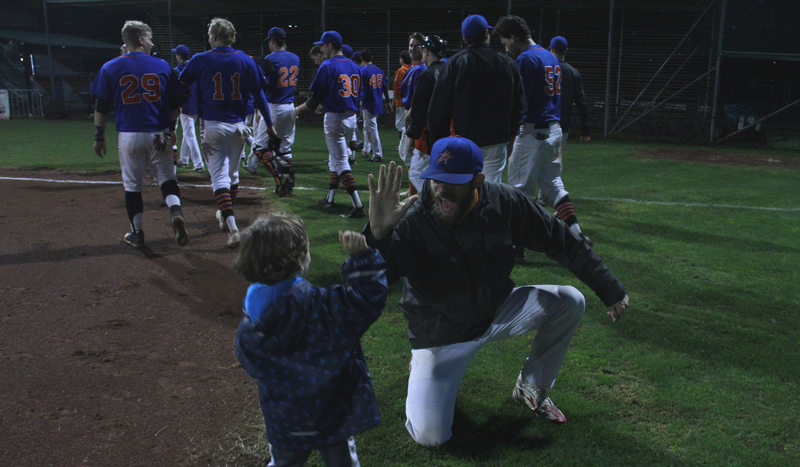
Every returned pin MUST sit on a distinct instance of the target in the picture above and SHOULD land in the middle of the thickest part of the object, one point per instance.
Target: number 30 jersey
(337, 84)
(281, 68)
(226, 78)
(141, 87)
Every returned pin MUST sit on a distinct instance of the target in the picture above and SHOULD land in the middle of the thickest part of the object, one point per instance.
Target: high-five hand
(385, 208)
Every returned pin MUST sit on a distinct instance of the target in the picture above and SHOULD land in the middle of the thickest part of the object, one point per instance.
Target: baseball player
(571, 91)
(226, 78)
(189, 147)
(146, 96)
(337, 85)
(536, 157)
(399, 75)
(415, 42)
(361, 136)
(281, 68)
(375, 89)
(478, 96)
(433, 52)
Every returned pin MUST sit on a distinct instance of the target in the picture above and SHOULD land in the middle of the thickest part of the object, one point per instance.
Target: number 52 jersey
(141, 87)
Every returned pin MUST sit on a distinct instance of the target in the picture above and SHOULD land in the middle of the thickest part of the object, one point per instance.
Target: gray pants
(436, 372)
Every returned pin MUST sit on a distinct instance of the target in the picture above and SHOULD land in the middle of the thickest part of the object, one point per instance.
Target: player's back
(281, 87)
(373, 83)
(226, 78)
(541, 79)
(140, 86)
(338, 80)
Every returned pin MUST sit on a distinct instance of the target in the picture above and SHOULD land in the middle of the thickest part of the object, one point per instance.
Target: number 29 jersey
(338, 84)
(281, 76)
(541, 79)
(141, 87)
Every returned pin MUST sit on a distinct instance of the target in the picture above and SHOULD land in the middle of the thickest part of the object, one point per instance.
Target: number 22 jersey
(281, 69)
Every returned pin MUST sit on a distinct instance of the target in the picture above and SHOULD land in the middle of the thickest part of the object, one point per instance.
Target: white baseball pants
(419, 164)
(137, 153)
(282, 116)
(494, 161)
(436, 372)
(190, 149)
(535, 162)
(223, 144)
(339, 127)
(371, 135)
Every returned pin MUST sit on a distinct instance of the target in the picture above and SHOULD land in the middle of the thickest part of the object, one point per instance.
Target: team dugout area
(679, 70)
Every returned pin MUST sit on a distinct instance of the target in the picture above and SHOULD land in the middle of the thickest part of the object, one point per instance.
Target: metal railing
(26, 103)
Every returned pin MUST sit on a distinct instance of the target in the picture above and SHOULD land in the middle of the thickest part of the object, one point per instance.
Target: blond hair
(132, 30)
(222, 30)
(272, 249)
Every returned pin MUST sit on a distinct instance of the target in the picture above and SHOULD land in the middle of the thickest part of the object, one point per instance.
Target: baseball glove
(274, 143)
(162, 141)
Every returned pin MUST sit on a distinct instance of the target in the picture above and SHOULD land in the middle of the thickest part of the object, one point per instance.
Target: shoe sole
(133, 243)
(555, 417)
(179, 228)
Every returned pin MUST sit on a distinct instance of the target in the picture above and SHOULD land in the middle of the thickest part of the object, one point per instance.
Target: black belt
(538, 126)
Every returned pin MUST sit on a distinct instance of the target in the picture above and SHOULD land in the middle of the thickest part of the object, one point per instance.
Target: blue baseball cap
(347, 51)
(558, 43)
(330, 37)
(356, 55)
(276, 33)
(181, 50)
(474, 25)
(454, 160)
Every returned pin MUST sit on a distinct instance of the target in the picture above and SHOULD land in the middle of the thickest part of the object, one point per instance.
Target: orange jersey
(398, 80)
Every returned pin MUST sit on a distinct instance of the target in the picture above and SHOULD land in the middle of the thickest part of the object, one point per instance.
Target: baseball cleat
(178, 226)
(537, 400)
(135, 239)
(233, 240)
(325, 203)
(354, 212)
(223, 226)
(376, 159)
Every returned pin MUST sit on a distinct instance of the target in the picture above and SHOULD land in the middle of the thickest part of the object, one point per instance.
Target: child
(302, 343)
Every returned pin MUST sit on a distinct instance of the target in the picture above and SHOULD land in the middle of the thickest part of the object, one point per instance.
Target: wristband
(99, 133)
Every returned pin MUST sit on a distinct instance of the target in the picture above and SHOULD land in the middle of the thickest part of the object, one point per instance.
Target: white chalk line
(587, 198)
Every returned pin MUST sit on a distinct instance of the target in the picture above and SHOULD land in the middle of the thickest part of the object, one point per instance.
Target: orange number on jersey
(553, 78)
(149, 82)
(355, 81)
(376, 81)
(130, 83)
(288, 76)
(218, 95)
(346, 90)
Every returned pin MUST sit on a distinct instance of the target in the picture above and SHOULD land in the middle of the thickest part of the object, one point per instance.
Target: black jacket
(572, 91)
(480, 89)
(456, 278)
(422, 97)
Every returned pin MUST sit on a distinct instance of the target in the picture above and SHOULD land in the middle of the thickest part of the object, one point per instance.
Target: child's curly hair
(272, 249)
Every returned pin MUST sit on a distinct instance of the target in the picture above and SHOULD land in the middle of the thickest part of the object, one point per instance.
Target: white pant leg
(555, 311)
(399, 112)
(535, 162)
(550, 181)
(190, 149)
(564, 138)
(433, 383)
(223, 147)
(365, 116)
(419, 164)
(371, 134)
(338, 129)
(283, 120)
(136, 152)
(494, 161)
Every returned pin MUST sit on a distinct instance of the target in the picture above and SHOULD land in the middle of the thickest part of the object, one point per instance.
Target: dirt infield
(721, 157)
(110, 355)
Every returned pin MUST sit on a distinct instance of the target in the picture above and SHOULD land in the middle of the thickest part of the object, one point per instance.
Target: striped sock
(566, 211)
(224, 202)
(348, 181)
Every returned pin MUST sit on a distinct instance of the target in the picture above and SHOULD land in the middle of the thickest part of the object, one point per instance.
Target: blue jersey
(226, 79)
(282, 77)
(541, 80)
(373, 81)
(190, 106)
(410, 83)
(337, 84)
(140, 86)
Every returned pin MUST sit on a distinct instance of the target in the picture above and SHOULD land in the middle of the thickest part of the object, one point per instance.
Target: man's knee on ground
(428, 435)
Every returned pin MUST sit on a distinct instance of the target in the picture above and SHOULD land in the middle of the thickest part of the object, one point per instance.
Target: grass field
(702, 369)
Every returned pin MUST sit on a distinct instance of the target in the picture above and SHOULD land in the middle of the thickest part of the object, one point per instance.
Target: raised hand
(385, 208)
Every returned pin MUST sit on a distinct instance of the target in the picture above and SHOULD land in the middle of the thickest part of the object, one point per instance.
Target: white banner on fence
(5, 110)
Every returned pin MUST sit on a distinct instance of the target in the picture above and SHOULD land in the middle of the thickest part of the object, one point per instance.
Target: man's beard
(450, 206)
